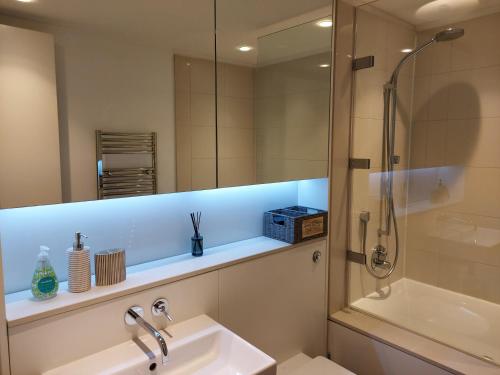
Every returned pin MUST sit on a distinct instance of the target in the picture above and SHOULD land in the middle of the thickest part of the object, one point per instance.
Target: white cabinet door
(278, 302)
(29, 129)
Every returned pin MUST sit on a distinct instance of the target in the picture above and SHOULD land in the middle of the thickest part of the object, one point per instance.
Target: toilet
(301, 364)
(321, 366)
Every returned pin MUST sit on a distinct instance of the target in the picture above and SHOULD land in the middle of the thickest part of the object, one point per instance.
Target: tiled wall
(292, 102)
(384, 37)
(195, 109)
(195, 132)
(454, 242)
(235, 125)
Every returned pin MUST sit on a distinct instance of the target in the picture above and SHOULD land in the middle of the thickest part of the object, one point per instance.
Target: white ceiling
(186, 26)
(425, 14)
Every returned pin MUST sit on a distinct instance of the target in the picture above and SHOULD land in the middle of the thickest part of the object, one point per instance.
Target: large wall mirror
(101, 100)
(273, 97)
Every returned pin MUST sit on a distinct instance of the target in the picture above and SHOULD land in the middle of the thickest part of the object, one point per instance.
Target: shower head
(451, 33)
(445, 35)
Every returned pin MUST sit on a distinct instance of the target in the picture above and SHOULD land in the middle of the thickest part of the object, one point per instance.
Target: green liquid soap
(44, 284)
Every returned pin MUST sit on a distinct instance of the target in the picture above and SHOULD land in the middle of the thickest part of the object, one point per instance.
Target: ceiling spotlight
(245, 48)
(406, 50)
(324, 65)
(325, 23)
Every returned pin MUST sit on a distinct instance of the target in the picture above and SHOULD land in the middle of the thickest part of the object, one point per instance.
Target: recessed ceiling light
(245, 48)
(26, 1)
(324, 65)
(406, 50)
(325, 23)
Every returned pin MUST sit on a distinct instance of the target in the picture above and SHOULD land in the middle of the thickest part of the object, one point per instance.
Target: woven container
(295, 224)
(78, 270)
(110, 267)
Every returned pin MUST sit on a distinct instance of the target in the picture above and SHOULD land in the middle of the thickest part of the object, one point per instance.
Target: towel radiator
(126, 164)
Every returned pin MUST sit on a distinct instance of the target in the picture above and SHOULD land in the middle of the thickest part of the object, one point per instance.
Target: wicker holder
(78, 270)
(295, 224)
(110, 267)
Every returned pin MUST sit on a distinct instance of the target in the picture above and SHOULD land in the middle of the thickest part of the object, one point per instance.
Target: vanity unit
(249, 287)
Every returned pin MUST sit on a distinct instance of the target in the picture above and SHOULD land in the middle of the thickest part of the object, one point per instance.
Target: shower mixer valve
(379, 258)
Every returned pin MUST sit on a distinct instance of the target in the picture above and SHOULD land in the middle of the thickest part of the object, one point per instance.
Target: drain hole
(152, 366)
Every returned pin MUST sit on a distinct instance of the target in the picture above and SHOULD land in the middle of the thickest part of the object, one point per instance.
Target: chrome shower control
(160, 307)
(379, 258)
(129, 320)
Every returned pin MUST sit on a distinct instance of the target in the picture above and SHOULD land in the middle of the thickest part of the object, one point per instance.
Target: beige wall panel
(278, 302)
(29, 131)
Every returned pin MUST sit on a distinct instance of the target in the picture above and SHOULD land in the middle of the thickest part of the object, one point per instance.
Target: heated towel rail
(114, 178)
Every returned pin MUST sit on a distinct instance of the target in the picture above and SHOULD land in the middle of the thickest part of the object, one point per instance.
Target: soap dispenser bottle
(44, 284)
(78, 266)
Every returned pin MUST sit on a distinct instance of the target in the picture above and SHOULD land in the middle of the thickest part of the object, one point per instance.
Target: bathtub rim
(406, 284)
(434, 352)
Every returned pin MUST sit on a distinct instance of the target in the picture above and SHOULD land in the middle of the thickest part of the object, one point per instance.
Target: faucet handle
(160, 307)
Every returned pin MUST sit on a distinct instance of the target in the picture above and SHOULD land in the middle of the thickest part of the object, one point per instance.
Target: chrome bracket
(355, 257)
(363, 63)
(356, 163)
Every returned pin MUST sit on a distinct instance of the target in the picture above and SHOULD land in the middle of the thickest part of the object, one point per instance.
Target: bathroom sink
(198, 346)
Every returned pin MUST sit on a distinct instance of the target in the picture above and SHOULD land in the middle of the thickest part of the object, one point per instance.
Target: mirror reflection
(273, 101)
(87, 97)
(94, 106)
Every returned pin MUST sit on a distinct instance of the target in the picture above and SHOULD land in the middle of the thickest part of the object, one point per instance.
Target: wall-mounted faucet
(134, 316)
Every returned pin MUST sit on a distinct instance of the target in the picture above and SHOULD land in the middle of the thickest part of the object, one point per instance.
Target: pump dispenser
(78, 265)
(44, 284)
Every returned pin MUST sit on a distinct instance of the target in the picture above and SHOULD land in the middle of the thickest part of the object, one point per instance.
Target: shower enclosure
(426, 215)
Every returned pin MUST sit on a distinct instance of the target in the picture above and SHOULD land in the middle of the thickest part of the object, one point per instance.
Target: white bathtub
(468, 324)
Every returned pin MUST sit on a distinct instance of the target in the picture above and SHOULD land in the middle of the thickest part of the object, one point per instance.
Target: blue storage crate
(295, 224)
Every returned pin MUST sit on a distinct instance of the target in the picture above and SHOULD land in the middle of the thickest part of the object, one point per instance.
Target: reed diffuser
(197, 239)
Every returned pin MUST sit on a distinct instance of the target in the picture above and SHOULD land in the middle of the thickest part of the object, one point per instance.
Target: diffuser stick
(197, 239)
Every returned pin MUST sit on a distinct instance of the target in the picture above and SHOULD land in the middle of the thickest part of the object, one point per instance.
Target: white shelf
(21, 308)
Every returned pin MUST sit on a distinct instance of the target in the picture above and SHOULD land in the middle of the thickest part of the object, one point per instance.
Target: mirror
(273, 92)
(101, 100)
(87, 96)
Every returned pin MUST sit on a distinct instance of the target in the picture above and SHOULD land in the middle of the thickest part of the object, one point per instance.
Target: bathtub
(465, 323)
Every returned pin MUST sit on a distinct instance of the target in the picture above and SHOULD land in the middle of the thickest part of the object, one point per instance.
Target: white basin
(199, 346)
